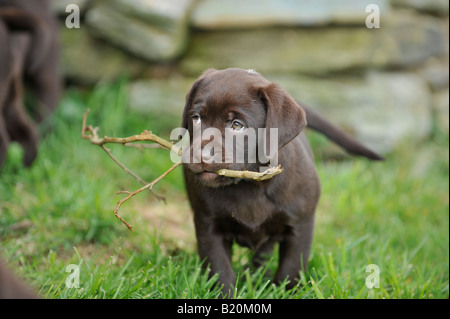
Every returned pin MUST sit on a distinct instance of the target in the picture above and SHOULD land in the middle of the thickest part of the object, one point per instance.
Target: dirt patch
(172, 220)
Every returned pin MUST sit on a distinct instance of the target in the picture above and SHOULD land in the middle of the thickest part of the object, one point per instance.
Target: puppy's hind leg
(20, 128)
(4, 141)
(5, 76)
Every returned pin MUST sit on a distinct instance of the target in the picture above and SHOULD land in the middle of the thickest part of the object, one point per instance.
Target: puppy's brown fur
(11, 287)
(255, 214)
(28, 50)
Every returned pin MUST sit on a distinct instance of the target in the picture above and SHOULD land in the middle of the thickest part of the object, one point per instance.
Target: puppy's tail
(318, 123)
(18, 19)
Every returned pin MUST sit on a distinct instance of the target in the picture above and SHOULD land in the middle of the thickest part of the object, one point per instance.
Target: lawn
(58, 216)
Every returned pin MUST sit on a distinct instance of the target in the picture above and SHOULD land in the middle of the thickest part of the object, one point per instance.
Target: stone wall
(381, 84)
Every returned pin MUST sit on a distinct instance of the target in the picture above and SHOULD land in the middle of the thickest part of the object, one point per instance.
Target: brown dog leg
(5, 76)
(294, 253)
(4, 141)
(11, 287)
(18, 125)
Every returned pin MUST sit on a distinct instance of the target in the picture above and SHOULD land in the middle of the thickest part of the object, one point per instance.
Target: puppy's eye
(196, 118)
(238, 126)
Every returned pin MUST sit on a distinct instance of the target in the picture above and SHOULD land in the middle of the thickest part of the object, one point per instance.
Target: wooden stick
(257, 176)
(148, 186)
(146, 136)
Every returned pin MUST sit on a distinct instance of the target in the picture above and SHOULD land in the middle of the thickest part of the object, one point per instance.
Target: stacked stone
(383, 84)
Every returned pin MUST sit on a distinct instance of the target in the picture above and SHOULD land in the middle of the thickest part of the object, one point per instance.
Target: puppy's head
(234, 117)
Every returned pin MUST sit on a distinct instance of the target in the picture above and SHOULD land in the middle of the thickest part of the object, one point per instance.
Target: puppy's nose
(207, 155)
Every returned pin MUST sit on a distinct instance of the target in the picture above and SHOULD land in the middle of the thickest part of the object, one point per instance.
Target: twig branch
(91, 133)
(146, 136)
(148, 186)
(128, 171)
(142, 146)
(267, 174)
(94, 139)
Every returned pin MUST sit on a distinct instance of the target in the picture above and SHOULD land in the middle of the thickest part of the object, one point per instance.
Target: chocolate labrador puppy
(255, 214)
(28, 53)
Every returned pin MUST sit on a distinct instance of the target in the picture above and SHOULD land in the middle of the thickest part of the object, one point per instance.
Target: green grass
(394, 214)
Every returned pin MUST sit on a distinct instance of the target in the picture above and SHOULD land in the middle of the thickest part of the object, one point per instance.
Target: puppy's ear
(282, 113)
(189, 98)
(191, 94)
